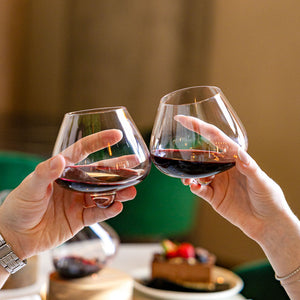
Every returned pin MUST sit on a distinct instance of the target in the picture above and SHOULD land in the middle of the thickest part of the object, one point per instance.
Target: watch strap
(8, 259)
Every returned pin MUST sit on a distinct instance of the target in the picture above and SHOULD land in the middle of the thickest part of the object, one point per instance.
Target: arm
(39, 214)
(252, 201)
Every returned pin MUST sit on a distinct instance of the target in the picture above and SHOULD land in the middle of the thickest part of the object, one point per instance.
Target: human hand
(244, 195)
(39, 214)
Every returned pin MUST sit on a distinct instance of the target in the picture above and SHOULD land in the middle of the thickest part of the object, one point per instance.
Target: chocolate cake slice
(183, 264)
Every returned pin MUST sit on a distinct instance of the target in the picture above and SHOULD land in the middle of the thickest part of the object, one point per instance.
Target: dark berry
(202, 255)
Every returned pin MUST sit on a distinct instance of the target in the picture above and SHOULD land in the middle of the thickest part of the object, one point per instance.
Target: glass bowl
(88, 252)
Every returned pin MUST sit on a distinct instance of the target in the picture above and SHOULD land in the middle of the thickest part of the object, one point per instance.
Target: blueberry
(202, 255)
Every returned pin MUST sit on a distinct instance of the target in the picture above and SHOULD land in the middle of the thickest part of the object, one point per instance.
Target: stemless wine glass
(104, 152)
(196, 134)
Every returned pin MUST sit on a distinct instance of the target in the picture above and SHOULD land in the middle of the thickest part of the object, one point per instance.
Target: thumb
(248, 167)
(38, 182)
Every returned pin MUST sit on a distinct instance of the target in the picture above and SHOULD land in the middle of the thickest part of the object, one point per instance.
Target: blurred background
(64, 55)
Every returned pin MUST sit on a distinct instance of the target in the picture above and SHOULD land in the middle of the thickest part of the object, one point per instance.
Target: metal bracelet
(8, 259)
(283, 278)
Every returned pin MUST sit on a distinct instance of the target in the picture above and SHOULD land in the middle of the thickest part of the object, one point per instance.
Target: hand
(39, 214)
(244, 195)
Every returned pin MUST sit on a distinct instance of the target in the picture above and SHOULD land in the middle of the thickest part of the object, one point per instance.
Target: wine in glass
(196, 134)
(100, 243)
(104, 152)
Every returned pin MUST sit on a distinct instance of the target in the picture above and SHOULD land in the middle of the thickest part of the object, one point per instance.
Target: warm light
(216, 157)
(43, 292)
(220, 280)
(109, 149)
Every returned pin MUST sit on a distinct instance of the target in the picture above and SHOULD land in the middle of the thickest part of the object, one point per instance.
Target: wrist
(279, 229)
(12, 240)
(280, 240)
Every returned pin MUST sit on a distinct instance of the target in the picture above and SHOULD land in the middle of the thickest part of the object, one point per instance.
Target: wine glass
(104, 153)
(196, 134)
(100, 243)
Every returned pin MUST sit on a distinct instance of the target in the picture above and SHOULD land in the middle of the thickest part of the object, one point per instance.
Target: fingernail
(243, 156)
(177, 118)
(184, 182)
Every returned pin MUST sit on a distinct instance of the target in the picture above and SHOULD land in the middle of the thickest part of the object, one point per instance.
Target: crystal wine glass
(87, 252)
(104, 152)
(196, 134)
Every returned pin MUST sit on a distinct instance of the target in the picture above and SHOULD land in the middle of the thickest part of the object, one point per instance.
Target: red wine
(99, 179)
(76, 267)
(190, 163)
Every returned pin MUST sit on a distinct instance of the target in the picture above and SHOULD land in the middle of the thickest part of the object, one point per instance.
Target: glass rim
(95, 110)
(166, 97)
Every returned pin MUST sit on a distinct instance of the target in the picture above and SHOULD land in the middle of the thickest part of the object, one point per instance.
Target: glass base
(204, 180)
(103, 200)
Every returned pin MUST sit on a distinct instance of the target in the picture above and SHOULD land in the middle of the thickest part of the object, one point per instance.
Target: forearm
(8, 243)
(281, 243)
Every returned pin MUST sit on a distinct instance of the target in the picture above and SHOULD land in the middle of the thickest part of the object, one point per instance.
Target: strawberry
(170, 248)
(186, 250)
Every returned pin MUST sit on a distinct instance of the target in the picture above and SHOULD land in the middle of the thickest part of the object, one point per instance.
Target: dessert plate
(235, 285)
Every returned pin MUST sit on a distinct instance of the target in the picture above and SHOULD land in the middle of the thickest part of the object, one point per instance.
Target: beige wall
(12, 33)
(58, 56)
(255, 58)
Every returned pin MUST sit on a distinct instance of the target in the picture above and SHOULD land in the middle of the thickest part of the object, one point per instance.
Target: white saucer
(235, 282)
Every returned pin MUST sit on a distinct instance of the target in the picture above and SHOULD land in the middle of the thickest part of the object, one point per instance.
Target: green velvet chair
(259, 281)
(163, 208)
(15, 166)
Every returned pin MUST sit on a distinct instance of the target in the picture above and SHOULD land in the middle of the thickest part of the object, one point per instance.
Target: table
(130, 257)
(137, 256)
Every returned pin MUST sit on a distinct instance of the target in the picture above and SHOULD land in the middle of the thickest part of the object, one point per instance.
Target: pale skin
(39, 214)
(248, 198)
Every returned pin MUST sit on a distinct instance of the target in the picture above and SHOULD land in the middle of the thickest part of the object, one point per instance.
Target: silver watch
(8, 259)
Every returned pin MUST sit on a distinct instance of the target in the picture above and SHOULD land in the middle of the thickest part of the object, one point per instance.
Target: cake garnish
(185, 251)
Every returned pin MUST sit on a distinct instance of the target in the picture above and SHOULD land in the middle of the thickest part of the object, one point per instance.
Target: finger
(209, 131)
(246, 164)
(96, 214)
(126, 194)
(187, 181)
(36, 185)
(90, 144)
(203, 191)
(248, 167)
